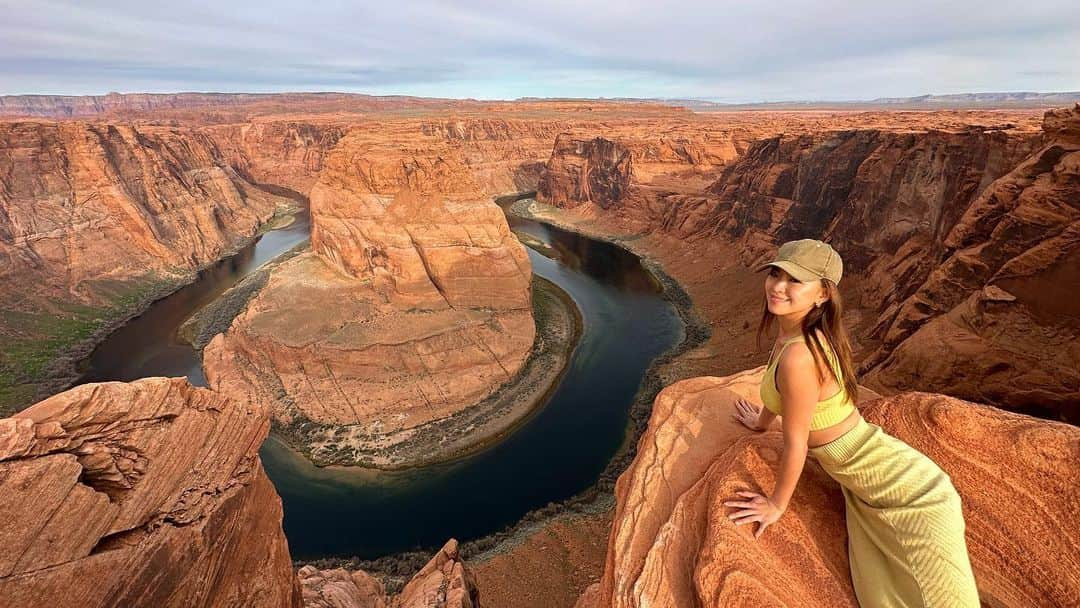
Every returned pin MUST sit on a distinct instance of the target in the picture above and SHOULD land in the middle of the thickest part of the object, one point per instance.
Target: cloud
(733, 51)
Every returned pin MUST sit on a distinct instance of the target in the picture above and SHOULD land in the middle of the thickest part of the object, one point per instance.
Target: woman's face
(787, 296)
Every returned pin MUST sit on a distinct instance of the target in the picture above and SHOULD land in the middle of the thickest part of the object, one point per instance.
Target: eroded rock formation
(96, 219)
(142, 494)
(957, 243)
(415, 223)
(445, 582)
(414, 304)
(995, 320)
(88, 207)
(280, 151)
(672, 544)
(597, 170)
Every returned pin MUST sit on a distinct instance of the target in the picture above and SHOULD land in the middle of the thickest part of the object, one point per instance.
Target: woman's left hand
(755, 507)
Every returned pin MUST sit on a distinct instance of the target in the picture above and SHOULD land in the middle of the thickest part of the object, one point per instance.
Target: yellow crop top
(827, 412)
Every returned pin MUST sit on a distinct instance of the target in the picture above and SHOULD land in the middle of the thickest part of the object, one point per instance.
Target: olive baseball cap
(807, 260)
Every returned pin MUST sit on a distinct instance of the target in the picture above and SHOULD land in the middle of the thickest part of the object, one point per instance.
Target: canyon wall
(417, 220)
(87, 206)
(581, 171)
(142, 494)
(994, 320)
(279, 151)
(96, 219)
(672, 545)
(953, 240)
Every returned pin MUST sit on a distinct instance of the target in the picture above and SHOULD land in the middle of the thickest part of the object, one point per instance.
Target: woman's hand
(755, 507)
(747, 414)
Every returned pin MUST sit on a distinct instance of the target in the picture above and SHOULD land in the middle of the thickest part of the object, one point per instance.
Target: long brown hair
(828, 319)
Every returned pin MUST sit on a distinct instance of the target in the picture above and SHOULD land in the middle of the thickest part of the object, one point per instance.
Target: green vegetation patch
(34, 343)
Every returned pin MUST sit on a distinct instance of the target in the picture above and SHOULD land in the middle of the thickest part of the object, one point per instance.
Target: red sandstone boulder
(444, 582)
(672, 545)
(142, 494)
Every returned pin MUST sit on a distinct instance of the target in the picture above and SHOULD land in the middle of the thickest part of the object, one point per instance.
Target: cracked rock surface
(148, 493)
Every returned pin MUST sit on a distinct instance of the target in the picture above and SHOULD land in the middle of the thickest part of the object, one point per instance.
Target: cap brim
(791, 268)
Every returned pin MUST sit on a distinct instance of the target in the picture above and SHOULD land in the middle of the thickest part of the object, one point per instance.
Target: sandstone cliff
(414, 304)
(586, 171)
(142, 494)
(672, 544)
(445, 582)
(419, 224)
(282, 151)
(87, 206)
(994, 320)
(97, 218)
(954, 243)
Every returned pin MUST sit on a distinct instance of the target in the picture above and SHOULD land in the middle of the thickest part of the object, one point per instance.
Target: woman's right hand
(747, 414)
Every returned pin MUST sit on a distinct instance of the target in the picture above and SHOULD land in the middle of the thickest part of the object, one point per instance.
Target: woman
(905, 526)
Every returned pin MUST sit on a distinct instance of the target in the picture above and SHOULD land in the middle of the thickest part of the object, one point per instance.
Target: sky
(720, 50)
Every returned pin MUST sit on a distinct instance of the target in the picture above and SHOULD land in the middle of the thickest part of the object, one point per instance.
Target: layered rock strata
(96, 219)
(596, 171)
(954, 241)
(995, 320)
(414, 304)
(282, 151)
(672, 544)
(89, 206)
(156, 483)
(445, 582)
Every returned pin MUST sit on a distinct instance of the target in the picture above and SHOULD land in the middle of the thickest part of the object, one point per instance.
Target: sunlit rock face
(87, 208)
(957, 243)
(419, 226)
(414, 303)
(142, 494)
(280, 150)
(96, 221)
(671, 543)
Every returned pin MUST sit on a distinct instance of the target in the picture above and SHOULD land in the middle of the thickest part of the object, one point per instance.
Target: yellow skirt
(905, 526)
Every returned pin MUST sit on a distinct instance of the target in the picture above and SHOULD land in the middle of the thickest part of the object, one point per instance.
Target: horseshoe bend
(482, 353)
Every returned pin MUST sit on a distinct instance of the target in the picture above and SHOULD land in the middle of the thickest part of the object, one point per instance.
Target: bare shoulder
(796, 357)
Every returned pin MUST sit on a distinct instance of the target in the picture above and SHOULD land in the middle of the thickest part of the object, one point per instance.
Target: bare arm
(798, 391)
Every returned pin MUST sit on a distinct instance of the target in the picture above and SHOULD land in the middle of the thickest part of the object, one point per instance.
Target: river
(560, 451)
